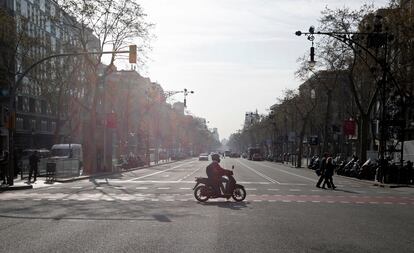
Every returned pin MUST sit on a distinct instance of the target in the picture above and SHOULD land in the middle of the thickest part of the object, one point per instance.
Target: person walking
(3, 167)
(33, 161)
(329, 171)
(322, 171)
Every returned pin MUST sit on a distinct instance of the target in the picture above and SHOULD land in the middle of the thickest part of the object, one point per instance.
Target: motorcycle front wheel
(201, 193)
(239, 194)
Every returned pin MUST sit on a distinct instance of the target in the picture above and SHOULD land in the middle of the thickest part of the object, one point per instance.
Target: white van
(68, 159)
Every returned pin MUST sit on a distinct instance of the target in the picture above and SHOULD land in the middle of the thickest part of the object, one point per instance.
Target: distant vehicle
(257, 157)
(252, 151)
(203, 157)
(235, 155)
(67, 159)
(227, 153)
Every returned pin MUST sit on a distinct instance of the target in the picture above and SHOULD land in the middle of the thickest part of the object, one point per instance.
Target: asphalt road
(153, 210)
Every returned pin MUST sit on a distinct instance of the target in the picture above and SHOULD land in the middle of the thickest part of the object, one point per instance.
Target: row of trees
(345, 84)
(76, 90)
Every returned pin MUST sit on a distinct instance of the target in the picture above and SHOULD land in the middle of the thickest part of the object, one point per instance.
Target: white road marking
(258, 173)
(251, 189)
(189, 174)
(294, 190)
(76, 187)
(141, 188)
(185, 188)
(290, 173)
(163, 188)
(158, 172)
(273, 189)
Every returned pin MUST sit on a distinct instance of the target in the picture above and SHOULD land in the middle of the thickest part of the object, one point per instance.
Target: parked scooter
(368, 170)
(314, 163)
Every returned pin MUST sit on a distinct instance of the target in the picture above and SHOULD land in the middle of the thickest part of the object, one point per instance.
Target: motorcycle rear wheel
(239, 194)
(198, 193)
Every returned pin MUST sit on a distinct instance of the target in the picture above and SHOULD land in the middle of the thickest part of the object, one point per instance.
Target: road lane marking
(189, 174)
(258, 173)
(159, 172)
(141, 188)
(273, 189)
(163, 188)
(76, 187)
(251, 189)
(294, 190)
(185, 188)
(290, 173)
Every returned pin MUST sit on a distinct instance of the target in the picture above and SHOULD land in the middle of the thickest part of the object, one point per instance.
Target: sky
(236, 55)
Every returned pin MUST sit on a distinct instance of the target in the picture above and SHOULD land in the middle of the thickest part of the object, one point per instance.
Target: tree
(115, 24)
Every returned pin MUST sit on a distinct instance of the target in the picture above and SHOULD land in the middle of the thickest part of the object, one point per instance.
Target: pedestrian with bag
(329, 171)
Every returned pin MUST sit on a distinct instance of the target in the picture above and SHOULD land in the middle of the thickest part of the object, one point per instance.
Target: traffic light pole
(17, 83)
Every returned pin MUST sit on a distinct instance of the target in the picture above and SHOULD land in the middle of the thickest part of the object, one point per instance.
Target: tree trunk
(327, 119)
(363, 138)
(301, 136)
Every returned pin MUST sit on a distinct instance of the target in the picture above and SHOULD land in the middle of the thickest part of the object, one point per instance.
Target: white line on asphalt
(290, 173)
(294, 190)
(185, 188)
(158, 172)
(163, 188)
(141, 188)
(273, 189)
(189, 174)
(258, 173)
(76, 187)
(251, 189)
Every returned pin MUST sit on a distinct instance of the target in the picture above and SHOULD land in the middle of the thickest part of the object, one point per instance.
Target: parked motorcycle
(368, 170)
(314, 163)
(203, 190)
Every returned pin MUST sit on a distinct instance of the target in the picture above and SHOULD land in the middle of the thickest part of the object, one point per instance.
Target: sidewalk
(41, 181)
(374, 183)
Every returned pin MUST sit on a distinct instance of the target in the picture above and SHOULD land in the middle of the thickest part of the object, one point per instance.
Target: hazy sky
(237, 55)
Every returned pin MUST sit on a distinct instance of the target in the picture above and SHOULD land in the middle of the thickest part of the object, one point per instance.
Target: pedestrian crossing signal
(133, 54)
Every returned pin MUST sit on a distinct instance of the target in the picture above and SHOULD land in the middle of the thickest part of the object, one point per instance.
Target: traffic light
(133, 54)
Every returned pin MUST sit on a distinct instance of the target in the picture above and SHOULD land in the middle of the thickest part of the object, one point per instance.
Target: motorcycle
(203, 190)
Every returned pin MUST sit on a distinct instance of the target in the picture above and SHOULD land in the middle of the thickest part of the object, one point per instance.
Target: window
(19, 123)
(43, 126)
(26, 104)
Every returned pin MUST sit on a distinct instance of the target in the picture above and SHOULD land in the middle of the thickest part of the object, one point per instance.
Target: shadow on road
(226, 204)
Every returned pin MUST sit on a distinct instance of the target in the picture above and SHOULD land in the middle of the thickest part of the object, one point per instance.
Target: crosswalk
(168, 197)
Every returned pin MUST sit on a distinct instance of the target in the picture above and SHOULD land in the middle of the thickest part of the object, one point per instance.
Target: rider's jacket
(215, 171)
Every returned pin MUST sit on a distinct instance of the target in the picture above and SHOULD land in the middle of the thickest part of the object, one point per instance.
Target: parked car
(257, 157)
(203, 157)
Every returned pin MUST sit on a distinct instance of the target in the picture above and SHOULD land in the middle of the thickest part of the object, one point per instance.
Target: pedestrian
(33, 161)
(322, 171)
(3, 167)
(329, 171)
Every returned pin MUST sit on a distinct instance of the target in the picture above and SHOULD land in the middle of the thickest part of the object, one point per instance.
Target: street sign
(349, 127)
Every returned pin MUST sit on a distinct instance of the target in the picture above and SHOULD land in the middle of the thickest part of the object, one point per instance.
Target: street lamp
(376, 39)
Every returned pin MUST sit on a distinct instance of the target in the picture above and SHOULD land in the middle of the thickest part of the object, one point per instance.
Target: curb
(69, 180)
(16, 188)
(393, 185)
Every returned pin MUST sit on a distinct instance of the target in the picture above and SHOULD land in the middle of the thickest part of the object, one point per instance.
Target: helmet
(215, 157)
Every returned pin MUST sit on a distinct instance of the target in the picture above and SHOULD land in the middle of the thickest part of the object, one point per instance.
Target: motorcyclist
(215, 174)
